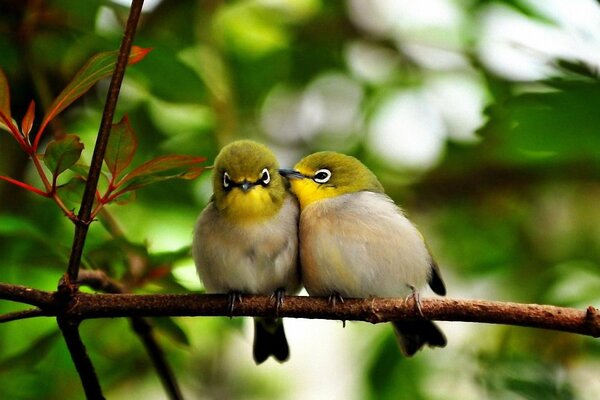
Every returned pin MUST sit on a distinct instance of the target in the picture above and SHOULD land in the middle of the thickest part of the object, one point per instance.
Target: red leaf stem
(25, 186)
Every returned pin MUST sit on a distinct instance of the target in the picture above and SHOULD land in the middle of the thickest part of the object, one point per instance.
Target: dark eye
(226, 180)
(322, 176)
(265, 178)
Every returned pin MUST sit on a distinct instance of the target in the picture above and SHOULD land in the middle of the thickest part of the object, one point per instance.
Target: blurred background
(481, 118)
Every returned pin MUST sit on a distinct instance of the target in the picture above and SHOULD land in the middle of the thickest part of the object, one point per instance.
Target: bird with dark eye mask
(246, 239)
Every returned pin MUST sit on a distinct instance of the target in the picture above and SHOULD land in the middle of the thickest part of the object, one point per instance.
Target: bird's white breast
(361, 245)
(256, 258)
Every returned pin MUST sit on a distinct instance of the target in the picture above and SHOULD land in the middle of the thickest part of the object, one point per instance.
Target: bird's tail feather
(269, 340)
(412, 335)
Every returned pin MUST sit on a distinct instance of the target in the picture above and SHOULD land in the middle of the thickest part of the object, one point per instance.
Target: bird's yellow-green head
(246, 183)
(329, 174)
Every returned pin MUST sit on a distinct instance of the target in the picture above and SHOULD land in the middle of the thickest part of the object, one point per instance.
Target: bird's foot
(416, 296)
(334, 297)
(233, 296)
(278, 295)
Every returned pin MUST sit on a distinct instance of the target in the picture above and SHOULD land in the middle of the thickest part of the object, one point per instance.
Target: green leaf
(169, 327)
(29, 357)
(13, 226)
(61, 154)
(125, 198)
(169, 257)
(558, 125)
(71, 192)
(166, 63)
(121, 147)
(81, 170)
(160, 169)
(98, 67)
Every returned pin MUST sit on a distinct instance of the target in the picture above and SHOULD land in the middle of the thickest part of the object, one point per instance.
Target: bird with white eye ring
(355, 242)
(246, 185)
(322, 176)
(246, 239)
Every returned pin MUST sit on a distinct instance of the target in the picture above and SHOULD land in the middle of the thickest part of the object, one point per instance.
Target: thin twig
(17, 315)
(98, 280)
(83, 364)
(67, 289)
(164, 371)
(27, 295)
(83, 217)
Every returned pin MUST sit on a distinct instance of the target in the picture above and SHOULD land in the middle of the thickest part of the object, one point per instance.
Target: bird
(246, 239)
(355, 242)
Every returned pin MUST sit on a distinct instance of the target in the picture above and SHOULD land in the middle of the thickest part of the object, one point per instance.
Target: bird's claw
(232, 297)
(416, 296)
(278, 295)
(334, 297)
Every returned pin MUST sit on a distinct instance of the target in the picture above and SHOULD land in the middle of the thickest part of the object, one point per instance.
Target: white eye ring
(226, 180)
(265, 177)
(322, 176)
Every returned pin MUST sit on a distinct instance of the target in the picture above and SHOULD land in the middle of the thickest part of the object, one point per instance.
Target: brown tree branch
(375, 310)
(98, 280)
(87, 202)
(69, 326)
(27, 295)
(17, 315)
(70, 330)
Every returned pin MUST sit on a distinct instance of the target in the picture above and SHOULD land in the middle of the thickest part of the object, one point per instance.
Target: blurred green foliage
(510, 208)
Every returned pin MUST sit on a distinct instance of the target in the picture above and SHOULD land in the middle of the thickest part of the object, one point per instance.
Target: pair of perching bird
(352, 240)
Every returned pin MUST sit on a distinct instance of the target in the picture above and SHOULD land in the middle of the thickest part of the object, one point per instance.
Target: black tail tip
(413, 335)
(269, 340)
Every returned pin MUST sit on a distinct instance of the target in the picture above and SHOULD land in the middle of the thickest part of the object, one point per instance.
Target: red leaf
(28, 119)
(122, 144)
(158, 272)
(164, 163)
(137, 54)
(98, 67)
(160, 169)
(6, 120)
(4, 96)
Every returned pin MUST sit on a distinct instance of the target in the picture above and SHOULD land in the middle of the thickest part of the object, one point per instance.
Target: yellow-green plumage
(245, 240)
(348, 175)
(244, 160)
(355, 242)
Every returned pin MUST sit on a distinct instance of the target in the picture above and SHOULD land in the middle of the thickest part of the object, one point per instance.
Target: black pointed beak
(246, 186)
(291, 173)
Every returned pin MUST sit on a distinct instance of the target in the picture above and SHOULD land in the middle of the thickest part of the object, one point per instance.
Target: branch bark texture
(98, 280)
(68, 325)
(375, 310)
(85, 368)
(87, 202)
